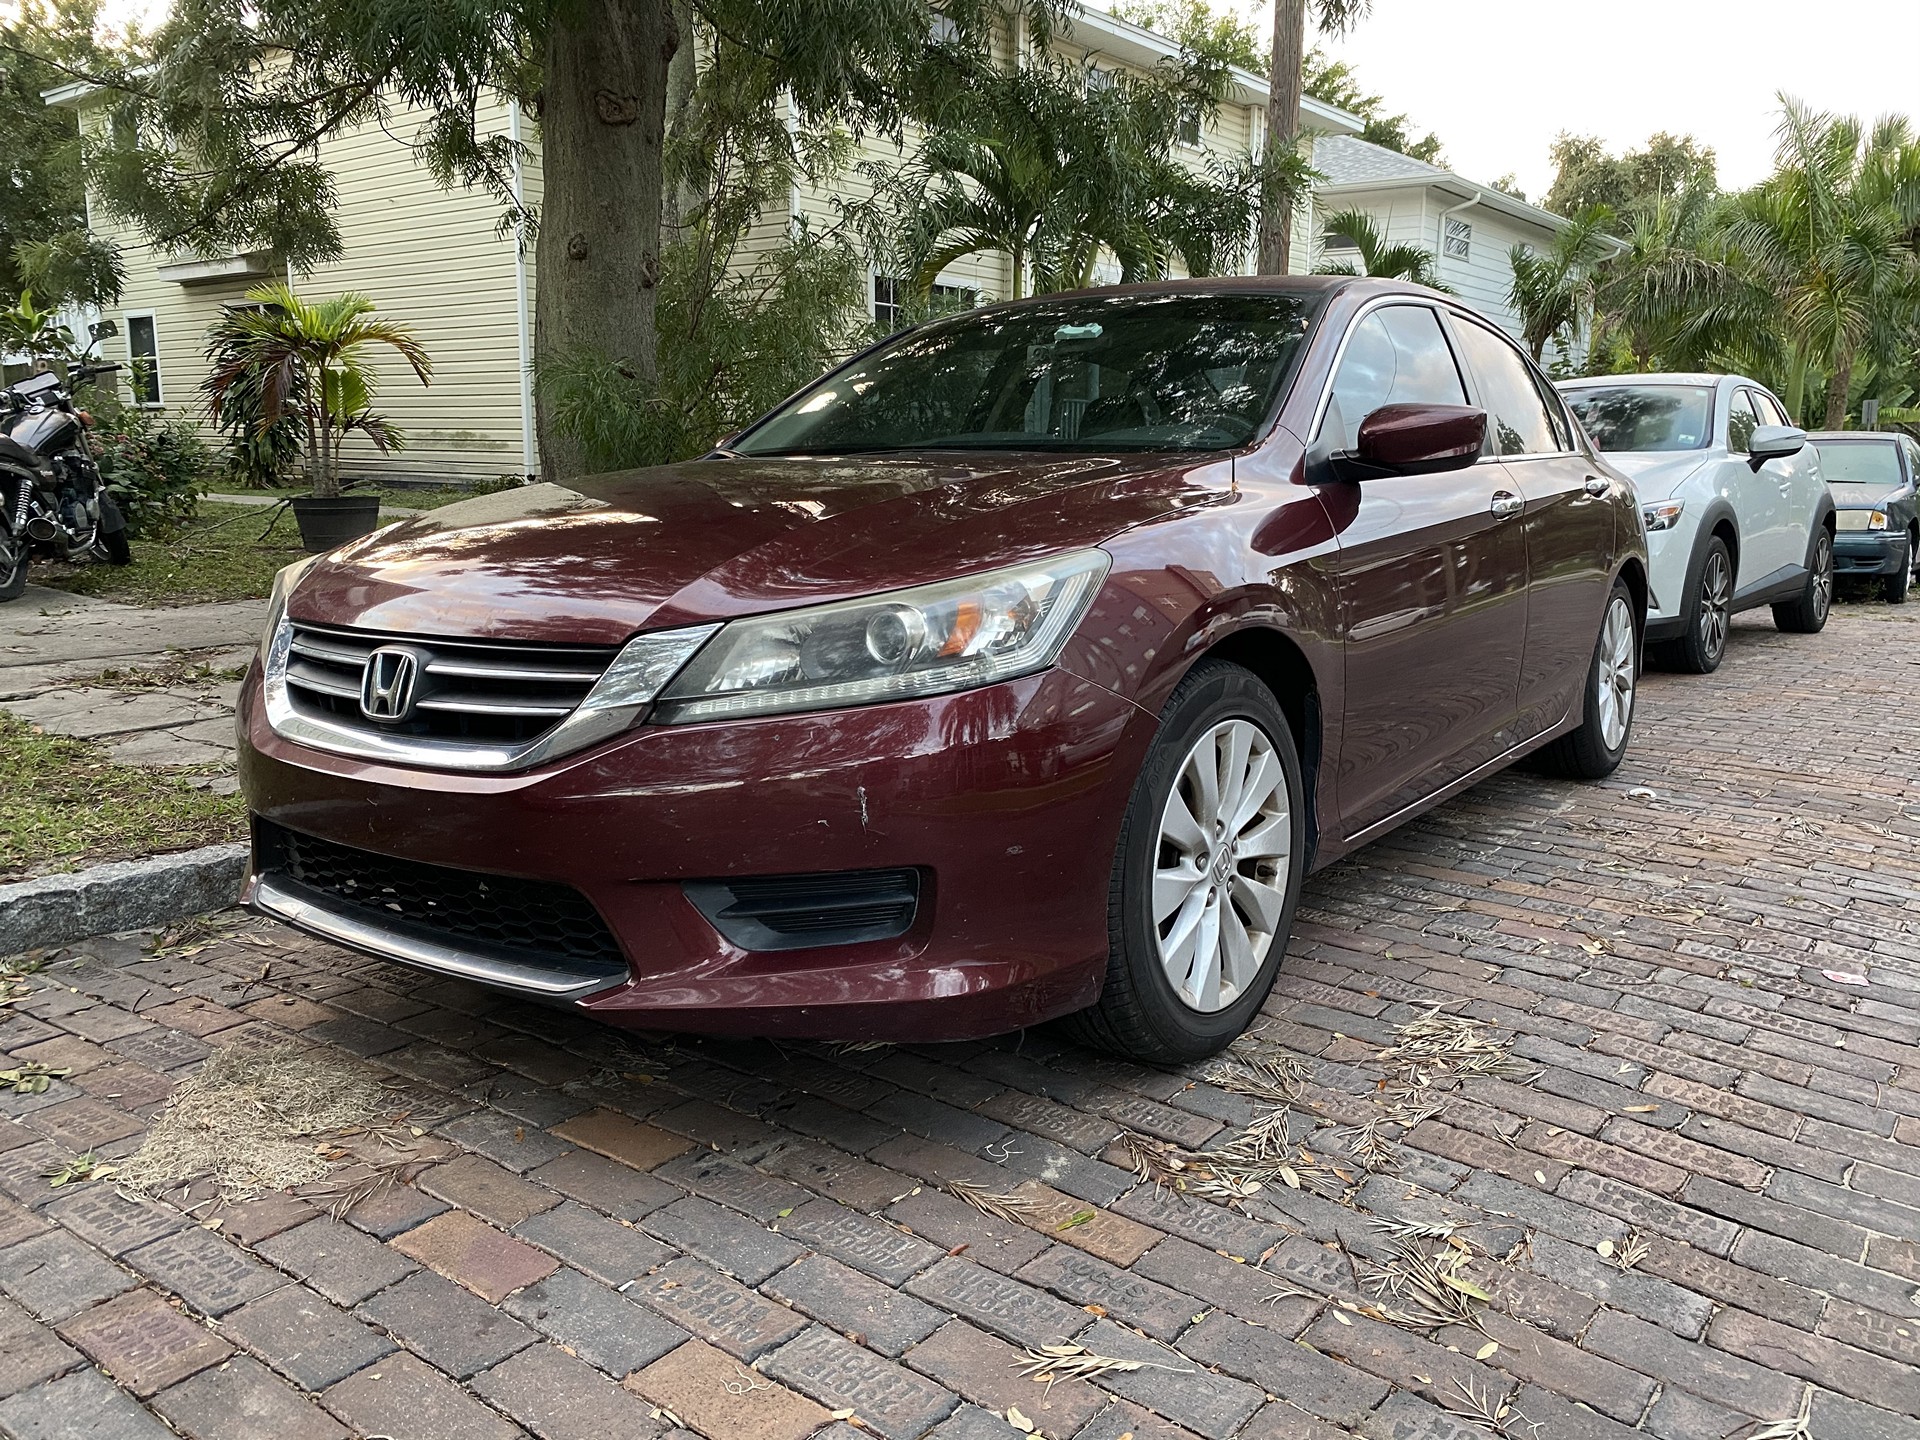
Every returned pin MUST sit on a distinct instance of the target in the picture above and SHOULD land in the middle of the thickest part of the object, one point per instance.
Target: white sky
(1497, 80)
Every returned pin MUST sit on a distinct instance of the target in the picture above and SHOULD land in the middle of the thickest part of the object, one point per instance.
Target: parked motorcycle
(53, 498)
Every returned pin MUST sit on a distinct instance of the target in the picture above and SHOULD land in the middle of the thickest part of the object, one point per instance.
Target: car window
(1103, 373)
(1913, 461)
(1517, 419)
(1741, 422)
(1396, 355)
(1859, 462)
(1769, 409)
(1556, 412)
(1644, 417)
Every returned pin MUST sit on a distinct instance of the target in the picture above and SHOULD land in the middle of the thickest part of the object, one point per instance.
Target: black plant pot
(327, 522)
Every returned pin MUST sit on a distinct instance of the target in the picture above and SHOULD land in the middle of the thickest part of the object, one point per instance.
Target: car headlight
(283, 583)
(1662, 514)
(1877, 520)
(926, 641)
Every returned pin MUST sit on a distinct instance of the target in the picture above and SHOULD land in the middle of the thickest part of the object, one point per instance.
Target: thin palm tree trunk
(1837, 388)
(1283, 128)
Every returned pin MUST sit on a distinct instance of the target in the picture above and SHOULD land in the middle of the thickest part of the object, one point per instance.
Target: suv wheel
(1594, 751)
(1808, 614)
(1703, 646)
(1206, 875)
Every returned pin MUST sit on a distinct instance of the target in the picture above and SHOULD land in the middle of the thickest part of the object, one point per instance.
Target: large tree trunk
(1283, 127)
(1838, 384)
(602, 123)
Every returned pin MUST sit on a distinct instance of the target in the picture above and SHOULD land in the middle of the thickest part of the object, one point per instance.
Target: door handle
(1596, 485)
(1506, 505)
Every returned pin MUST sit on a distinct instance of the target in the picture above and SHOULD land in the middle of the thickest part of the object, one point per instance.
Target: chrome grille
(473, 691)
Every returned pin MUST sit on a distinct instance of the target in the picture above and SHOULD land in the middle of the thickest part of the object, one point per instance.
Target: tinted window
(1157, 372)
(1397, 355)
(1769, 409)
(1860, 462)
(1740, 422)
(1644, 417)
(1517, 420)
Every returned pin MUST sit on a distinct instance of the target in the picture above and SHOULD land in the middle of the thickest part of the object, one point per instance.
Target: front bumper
(1008, 799)
(1869, 553)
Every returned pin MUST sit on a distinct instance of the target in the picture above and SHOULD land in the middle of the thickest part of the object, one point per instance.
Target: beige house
(434, 259)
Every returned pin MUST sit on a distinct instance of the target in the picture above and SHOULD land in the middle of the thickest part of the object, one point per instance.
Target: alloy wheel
(1220, 874)
(1614, 676)
(1822, 579)
(1716, 594)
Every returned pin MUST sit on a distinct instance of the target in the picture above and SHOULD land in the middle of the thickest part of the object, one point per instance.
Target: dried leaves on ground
(251, 1119)
(1007, 1205)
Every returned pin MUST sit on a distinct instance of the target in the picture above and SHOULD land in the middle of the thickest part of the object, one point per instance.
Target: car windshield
(1645, 417)
(1860, 462)
(1126, 372)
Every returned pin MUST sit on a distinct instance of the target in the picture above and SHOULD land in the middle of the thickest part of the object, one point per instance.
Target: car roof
(1829, 437)
(1656, 378)
(1314, 285)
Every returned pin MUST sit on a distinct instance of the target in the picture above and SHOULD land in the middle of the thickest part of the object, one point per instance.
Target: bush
(154, 465)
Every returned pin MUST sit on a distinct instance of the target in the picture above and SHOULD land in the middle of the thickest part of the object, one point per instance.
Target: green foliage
(225, 552)
(155, 465)
(1669, 167)
(1413, 263)
(1555, 289)
(43, 218)
(1196, 27)
(1334, 82)
(259, 454)
(36, 332)
(1036, 163)
(308, 362)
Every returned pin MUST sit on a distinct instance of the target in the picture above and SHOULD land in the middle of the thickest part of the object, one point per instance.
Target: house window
(1100, 80)
(143, 354)
(889, 300)
(944, 30)
(1459, 241)
(1190, 129)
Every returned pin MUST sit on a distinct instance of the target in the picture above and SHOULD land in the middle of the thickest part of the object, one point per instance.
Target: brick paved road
(758, 1243)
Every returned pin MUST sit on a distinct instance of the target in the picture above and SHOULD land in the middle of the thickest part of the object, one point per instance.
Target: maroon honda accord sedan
(1022, 667)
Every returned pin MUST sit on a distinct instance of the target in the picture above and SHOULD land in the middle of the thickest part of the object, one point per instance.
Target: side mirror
(1415, 440)
(103, 329)
(1774, 442)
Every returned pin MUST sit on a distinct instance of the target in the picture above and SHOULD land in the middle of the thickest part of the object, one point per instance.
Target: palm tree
(311, 361)
(1400, 261)
(1830, 241)
(1554, 289)
(1283, 112)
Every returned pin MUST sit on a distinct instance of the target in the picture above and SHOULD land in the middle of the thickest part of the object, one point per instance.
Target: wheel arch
(1282, 666)
(1634, 573)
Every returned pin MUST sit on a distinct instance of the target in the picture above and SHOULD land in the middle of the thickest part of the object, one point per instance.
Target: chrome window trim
(658, 656)
(1455, 313)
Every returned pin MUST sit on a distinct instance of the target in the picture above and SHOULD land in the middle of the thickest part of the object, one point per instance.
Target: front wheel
(1206, 874)
(1901, 580)
(116, 548)
(1808, 614)
(1703, 645)
(1594, 751)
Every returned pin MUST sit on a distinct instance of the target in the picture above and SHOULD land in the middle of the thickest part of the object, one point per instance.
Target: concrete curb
(121, 895)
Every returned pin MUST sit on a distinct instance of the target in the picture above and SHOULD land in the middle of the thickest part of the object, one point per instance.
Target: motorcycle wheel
(113, 543)
(14, 553)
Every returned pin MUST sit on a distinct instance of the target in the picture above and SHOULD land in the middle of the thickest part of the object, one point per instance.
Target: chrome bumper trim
(294, 904)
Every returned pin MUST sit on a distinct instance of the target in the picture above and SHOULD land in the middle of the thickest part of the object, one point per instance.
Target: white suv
(1736, 509)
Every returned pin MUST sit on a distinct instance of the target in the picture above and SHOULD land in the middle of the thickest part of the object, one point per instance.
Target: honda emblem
(388, 684)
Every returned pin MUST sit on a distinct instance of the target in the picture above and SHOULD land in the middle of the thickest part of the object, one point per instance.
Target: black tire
(1139, 1015)
(116, 548)
(1808, 614)
(1901, 580)
(1586, 753)
(1709, 611)
(14, 557)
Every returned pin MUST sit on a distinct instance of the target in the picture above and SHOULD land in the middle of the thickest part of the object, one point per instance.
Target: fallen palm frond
(249, 1118)
(1260, 1070)
(1441, 1045)
(1005, 1205)
(1633, 1250)
(1076, 1362)
(1425, 1292)
(1152, 1159)
(1796, 1427)
(1370, 1145)
(860, 1047)
(357, 1191)
(1484, 1408)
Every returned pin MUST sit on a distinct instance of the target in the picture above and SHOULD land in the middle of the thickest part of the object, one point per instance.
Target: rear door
(1432, 583)
(1569, 521)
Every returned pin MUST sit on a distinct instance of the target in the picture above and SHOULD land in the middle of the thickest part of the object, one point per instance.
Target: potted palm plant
(310, 361)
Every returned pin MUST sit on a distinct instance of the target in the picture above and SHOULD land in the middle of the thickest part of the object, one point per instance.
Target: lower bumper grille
(547, 932)
(794, 912)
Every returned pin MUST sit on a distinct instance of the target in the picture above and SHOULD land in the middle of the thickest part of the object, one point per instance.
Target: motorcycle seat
(12, 450)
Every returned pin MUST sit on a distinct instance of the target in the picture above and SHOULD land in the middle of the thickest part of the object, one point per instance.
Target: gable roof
(1353, 165)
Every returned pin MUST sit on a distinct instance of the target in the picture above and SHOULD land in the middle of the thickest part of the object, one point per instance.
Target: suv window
(1396, 355)
(1741, 422)
(1517, 419)
(1769, 408)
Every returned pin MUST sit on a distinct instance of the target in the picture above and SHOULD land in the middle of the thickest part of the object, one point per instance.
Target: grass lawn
(66, 804)
(218, 555)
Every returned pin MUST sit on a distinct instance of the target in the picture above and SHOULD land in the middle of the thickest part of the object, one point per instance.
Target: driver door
(1433, 584)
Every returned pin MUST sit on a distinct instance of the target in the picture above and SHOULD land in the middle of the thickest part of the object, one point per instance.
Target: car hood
(1860, 495)
(1656, 474)
(604, 557)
